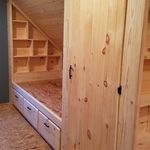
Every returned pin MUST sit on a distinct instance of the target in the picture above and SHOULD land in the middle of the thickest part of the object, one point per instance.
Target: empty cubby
(21, 65)
(38, 64)
(40, 47)
(22, 48)
(20, 30)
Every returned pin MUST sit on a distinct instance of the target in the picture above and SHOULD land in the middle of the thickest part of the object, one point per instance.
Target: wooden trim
(10, 46)
(65, 99)
(130, 75)
(49, 113)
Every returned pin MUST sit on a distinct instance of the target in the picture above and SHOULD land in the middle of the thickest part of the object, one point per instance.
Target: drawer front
(49, 131)
(18, 101)
(31, 113)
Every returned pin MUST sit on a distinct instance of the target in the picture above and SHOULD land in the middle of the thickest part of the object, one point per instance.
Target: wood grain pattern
(48, 15)
(130, 77)
(94, 48)
(48, 93)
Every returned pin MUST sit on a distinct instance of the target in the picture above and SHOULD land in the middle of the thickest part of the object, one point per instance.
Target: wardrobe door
(93, 43)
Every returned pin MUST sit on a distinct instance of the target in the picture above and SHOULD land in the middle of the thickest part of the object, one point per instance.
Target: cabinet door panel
(93, 47)
(31, 113)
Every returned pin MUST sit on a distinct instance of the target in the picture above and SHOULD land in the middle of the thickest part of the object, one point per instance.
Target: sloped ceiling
(47, 14)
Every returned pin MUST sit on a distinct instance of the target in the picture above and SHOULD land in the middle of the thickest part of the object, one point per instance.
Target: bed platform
(45, 95)
(48, 93)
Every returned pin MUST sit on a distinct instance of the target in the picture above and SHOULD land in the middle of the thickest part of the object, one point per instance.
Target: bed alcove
(36, 54)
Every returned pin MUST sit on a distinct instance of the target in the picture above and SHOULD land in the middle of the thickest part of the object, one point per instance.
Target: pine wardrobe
(79, 71)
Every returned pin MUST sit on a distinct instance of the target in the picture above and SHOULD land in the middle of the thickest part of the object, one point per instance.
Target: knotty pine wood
(131, 75)
(93, 38)
(48, 93)
(31, 52)
(48, 15)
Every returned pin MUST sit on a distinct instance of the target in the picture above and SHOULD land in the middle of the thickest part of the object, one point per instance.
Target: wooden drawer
(31, 113)
(18, 101)
(49, 131)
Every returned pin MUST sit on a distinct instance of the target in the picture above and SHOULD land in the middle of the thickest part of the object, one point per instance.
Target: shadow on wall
(4, 84)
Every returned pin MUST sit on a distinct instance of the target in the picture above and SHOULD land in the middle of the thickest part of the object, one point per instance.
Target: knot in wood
(107, 39)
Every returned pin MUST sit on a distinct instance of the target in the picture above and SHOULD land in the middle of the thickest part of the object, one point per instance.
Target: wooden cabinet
(18, 101)
(31, 113)
(102, 68)
(49, 131)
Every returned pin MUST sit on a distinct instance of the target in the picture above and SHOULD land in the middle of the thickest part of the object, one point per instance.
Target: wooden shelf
(53, 63)
(39, 47)
(38, 64)
(20, 30)
(21, 65)
(20, 21)
(34, 33)
(16, 15)
(55, 55)
(22, 48)
(32, 52)
(38, 56)
(17, 39)
(25, 56)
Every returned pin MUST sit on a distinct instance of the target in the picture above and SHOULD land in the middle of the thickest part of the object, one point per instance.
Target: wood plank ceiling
(48, 15)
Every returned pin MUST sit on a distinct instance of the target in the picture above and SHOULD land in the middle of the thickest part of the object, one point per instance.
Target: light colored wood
(20, 30)
(65, 79)
(32, 51)
(36, 76)
(21, 65)
(130, 76)
(94, 35)
(18, 101)
(47, 92)
(31, 113)
(22, 48)
(48, 15)
(49, 131)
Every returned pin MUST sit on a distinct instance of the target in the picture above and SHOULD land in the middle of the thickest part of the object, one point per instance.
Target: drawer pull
(16, 96)
(46, 125)
(29, 108)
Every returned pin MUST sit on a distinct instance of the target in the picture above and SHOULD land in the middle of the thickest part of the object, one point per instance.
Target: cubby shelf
(32, 52)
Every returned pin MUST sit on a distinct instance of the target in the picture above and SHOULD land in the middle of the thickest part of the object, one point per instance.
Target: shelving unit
(32, 51)
(22, 48)
(21, 65)
(40, 47)
(20, 30)
(38, 64)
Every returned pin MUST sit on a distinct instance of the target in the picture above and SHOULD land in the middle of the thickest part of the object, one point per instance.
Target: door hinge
(120, 90)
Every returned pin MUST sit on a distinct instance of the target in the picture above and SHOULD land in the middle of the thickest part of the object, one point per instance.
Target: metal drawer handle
(16, 96)
(46, 125)
(29, 108)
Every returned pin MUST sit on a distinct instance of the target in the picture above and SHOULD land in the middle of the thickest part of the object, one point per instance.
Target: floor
(16, 133)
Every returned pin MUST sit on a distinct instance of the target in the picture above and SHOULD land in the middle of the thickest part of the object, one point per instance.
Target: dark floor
(16, 133)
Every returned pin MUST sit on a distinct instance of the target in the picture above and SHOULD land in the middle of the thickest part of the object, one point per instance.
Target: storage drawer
(18, 101)
(31, 113)
(49, 131)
